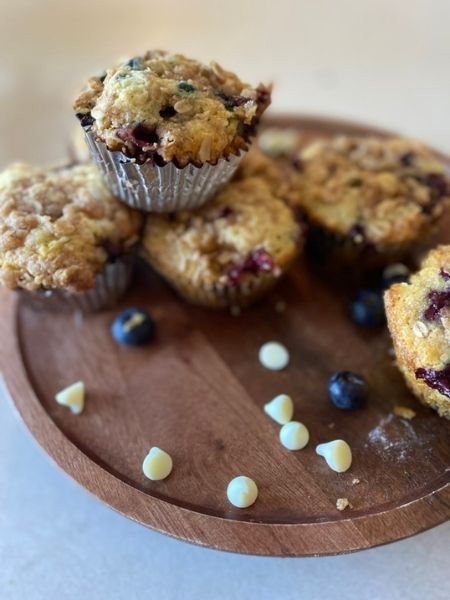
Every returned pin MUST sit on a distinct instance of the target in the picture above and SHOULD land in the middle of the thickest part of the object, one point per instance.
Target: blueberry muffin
(229, 252)
(60, 230)
(370, 198)
(418, 315)
(162, 111)
(281, 177)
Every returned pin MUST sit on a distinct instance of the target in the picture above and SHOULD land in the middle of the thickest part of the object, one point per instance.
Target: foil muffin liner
(110, 285)
(150, 188)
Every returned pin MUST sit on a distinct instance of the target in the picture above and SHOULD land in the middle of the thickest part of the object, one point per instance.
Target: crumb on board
(235, 310)
(331, 425)
(342, 503)
(355, 481)
(404, 412)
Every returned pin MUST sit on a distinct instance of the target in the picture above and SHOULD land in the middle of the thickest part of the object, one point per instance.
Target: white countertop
(385, 62)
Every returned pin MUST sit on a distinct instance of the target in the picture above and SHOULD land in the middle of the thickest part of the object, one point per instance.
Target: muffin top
(165, 107)
(243, 232)
(383, 191)
(280, 177)
(419, 319)
(59, 227)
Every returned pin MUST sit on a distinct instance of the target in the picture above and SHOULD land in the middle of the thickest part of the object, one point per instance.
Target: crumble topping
(166, 107)
(59, 227)
(244, 232)
(376, 190)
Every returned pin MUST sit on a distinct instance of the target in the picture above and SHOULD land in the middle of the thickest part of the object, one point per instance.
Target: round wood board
(198, 392)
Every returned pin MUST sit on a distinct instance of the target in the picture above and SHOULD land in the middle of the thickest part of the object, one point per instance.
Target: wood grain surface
(198, 391)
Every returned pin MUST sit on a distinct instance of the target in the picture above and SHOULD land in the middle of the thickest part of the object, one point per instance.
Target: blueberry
(367, 308)
(348, 390)
(184, 86)
(167, 112)
(86, 119)
(395, 273)
(133, 327)
(135, 64)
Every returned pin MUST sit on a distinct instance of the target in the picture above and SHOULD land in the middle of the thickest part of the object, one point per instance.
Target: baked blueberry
(133, 327)
(348, 390)
(395, 273)
(367, 308)
(184, 86)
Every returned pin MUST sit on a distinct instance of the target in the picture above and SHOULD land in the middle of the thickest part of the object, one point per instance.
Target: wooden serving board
(198, 393)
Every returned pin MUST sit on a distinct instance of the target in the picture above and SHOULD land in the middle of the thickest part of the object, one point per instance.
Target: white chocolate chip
(273, 356)
(294, 435)
(157, 464)
(242, 492)
(73, 397)
(338, 455)
(280, 409)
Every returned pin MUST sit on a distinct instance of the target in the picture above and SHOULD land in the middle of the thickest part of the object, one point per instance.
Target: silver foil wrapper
(110, 285)
(164, 189)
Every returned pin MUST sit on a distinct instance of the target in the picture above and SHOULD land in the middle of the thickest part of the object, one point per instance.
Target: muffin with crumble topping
(228, 252)
(418, 315)
(281, 177)
(167, 130)
(369, 199)
(64, 239)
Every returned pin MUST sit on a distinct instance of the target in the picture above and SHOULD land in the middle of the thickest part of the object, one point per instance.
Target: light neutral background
(383, 61)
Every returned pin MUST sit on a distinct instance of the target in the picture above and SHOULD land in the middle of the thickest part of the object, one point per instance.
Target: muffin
(369, 199)
(64, 239)
(281, 177)
(418, 315)
(230, 251)
(168, 131)
(77, 148)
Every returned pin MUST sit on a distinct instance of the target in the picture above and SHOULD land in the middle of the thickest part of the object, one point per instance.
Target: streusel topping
(423, 310)
(281, 178)
(166, 107)
(243, 231)
(386, 189)
(59, 227)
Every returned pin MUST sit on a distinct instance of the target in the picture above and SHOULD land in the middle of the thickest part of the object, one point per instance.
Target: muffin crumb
(342, 504)
(404, 412)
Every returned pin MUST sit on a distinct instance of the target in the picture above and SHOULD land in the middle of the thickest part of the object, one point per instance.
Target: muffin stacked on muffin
(228, 252)
(369, 198)
(168, 131)
(63, 235)
(418, 316)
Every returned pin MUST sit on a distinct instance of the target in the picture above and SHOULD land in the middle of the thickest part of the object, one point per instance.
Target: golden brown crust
(59, 227)
(281, 178)
(388, 190)
(229, 251)
(166, 107)
(421, 333)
